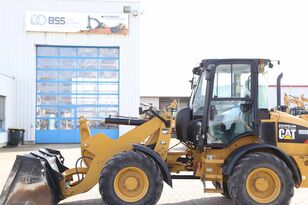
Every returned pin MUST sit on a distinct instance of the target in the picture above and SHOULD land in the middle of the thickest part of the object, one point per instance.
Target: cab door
(230, 104)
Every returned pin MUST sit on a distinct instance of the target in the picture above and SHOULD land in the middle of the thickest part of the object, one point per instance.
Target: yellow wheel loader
(298, 108)
(252, 154)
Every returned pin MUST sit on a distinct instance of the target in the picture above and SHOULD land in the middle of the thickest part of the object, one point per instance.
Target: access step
(184, 177)
(213, 177)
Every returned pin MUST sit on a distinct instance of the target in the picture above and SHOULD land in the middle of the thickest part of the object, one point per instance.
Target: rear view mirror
(270, 65)
(197, 70)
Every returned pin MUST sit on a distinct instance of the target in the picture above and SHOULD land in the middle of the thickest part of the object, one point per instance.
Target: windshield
(198, 96)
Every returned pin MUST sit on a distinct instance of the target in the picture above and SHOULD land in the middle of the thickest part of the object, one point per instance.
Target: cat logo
(286, 132)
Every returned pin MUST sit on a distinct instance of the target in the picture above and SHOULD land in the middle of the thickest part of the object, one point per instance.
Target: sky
(177, 35)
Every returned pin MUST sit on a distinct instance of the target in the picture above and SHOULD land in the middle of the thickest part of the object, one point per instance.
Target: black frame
(209, 93)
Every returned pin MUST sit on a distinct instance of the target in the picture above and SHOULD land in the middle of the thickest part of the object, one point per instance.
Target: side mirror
(270, 65)
(197, 70)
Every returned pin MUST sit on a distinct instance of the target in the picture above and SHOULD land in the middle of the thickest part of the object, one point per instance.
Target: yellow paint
(297, 151)
(287, 137)
(263, 185)
(176, 166)
(101, 148)
(131, 184)
(302, 163)
(207, 165)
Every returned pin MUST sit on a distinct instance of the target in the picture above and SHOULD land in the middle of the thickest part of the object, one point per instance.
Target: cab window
(231, 105)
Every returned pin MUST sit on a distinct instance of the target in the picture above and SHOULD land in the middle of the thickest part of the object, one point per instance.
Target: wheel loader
(228, 135)
(298, 108)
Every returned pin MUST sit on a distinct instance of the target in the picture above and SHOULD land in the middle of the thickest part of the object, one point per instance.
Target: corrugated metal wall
(17, 48)
(6, 89)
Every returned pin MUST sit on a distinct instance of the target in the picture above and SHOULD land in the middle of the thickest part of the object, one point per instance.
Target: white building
(62, 59)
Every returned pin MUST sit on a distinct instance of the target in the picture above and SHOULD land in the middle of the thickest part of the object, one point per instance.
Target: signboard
(76, 22)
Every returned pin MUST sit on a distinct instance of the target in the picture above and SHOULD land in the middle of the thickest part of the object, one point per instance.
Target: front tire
(131, 178)
(261, 178)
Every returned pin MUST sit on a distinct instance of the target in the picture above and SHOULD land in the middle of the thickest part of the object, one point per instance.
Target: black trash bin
(15, 137)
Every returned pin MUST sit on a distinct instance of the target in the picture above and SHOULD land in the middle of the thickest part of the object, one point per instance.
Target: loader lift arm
(61, 182)
(92, 147)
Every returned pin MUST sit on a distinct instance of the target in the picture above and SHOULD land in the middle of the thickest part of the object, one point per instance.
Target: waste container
(15, 137)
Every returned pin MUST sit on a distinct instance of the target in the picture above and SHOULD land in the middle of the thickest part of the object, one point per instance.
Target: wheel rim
(263, 185)
(131, 184)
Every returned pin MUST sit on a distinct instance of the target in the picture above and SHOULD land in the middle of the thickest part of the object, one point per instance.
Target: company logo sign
(291, 133)
(38, 20)
(286, 132)
(76, 22)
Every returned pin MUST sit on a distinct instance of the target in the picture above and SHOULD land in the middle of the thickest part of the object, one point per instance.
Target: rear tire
(131, 178)
(261, 178)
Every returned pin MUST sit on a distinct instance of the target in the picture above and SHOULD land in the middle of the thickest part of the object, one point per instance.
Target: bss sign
(56, 20)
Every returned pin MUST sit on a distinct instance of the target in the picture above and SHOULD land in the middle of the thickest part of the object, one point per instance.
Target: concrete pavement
(184, 192)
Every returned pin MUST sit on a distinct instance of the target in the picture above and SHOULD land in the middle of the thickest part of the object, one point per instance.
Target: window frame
(251, 98)
(232, 88)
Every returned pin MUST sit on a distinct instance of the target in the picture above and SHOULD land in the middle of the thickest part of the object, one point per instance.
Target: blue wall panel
(68, 136)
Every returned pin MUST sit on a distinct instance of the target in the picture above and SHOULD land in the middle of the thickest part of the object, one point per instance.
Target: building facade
(64, 59)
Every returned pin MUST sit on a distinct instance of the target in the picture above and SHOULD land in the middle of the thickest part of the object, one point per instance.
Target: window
(232, 80)
(75, 81)
(263, 88)
(231, 105)
(2, 112)
(198, 101)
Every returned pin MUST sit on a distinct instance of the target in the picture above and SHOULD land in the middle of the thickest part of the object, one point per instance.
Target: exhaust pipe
(279, 89)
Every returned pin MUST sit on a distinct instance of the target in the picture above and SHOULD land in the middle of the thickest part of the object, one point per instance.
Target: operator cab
(226, 97)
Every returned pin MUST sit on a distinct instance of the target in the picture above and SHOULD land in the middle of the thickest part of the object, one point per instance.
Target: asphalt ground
(184, 192)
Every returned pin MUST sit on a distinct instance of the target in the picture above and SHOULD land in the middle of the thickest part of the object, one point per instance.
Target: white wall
(17, 48)
(6, 89)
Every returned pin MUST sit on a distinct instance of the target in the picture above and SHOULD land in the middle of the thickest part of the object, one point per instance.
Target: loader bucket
(34, 179)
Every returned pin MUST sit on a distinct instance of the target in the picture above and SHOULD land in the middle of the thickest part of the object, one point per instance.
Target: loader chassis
(228, 136)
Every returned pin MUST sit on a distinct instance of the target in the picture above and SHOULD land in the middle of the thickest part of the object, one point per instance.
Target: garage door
(73, 82)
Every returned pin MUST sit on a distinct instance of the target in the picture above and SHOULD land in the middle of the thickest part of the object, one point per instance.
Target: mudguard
(162, 165)
(237, 154)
